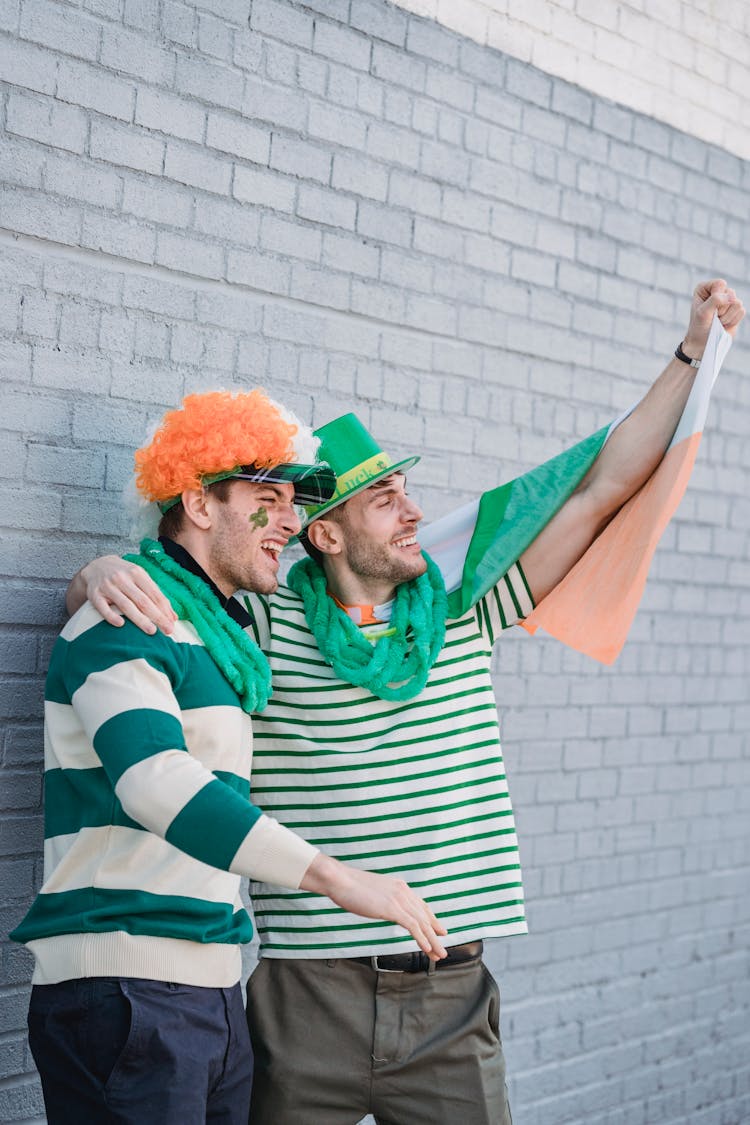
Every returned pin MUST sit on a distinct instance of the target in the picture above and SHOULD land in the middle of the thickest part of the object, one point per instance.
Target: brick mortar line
(179, 51)
(138, 82)
(84, 256)
(288, 132)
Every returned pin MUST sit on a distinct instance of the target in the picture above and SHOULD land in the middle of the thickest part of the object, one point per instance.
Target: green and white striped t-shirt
(414, 788)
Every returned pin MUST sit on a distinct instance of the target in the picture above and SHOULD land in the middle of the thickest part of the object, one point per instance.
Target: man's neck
(196, 547)
(178, 551)
(351, 590)
(365, 613)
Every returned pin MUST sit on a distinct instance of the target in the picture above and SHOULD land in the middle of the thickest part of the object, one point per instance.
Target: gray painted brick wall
(357, 208)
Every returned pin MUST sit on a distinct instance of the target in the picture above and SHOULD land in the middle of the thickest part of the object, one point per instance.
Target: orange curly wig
(212, 433)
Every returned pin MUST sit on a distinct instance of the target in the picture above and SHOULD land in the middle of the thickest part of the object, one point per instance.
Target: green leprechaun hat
(355, 457)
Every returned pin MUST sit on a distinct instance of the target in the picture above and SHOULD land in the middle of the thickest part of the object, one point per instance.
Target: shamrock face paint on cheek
(259, 518)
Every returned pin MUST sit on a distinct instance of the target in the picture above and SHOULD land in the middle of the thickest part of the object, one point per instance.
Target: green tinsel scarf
(235, 654)
(398, 665)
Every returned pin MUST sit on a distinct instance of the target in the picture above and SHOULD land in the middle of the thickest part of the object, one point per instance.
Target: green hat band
(361, 474)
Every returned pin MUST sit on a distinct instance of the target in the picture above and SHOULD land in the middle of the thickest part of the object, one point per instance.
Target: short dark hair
(338, 515)
(313, 552)
(173, 521)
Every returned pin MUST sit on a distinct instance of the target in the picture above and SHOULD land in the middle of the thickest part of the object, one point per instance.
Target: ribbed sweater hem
(117, 954)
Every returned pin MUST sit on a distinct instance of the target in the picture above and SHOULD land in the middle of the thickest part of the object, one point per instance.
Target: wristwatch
(679, 353)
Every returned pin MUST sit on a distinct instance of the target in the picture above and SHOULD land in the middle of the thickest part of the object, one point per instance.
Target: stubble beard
(258, 581)
(368, 560)
(228, 559)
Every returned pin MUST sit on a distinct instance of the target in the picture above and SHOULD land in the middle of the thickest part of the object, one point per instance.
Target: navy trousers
(123, 1051)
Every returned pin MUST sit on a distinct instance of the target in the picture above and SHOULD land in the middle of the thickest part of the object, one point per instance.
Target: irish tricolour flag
(593, 607)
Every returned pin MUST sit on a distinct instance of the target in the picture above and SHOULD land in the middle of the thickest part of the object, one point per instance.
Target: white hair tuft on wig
(305, 443)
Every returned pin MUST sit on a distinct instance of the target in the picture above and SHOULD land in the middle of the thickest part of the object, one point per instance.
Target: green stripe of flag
(510, 518)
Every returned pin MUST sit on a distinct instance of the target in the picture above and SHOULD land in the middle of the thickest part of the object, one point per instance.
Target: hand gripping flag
(593, 607)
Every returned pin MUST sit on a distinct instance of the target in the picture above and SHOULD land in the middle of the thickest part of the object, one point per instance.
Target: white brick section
(683, 62)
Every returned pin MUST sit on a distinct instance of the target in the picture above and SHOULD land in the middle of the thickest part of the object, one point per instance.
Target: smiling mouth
(272, 548)
(407, 541)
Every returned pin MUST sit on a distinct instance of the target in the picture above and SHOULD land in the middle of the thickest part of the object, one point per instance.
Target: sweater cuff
(271, 853)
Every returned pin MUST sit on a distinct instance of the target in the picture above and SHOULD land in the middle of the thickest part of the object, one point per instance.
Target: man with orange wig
(136, 1013)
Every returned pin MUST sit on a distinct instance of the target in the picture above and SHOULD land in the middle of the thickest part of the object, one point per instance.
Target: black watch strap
(679, 353)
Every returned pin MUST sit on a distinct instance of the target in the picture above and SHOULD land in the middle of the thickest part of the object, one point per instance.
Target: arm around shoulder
(121, 590)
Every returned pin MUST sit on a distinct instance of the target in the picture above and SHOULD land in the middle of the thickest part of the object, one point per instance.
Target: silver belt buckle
(378, 969)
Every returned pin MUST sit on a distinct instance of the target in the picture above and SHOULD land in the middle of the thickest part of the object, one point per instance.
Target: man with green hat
(381, 744)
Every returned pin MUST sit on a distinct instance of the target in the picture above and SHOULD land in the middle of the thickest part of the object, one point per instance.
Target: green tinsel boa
(235, 654)
(398, 665)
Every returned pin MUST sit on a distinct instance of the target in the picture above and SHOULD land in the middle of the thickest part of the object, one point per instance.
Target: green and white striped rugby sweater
(414, 788)
(148, 826)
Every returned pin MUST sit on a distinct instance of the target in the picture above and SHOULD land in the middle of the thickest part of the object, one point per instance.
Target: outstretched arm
(625, 463)
(631, 454)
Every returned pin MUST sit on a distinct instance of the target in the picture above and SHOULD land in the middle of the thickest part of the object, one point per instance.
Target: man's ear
(196, 508)
(325, 535)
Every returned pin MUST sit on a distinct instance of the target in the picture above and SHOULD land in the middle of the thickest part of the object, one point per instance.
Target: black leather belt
(419, 962)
